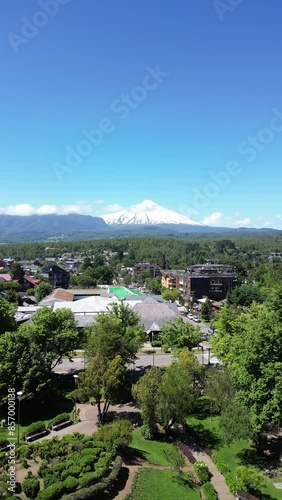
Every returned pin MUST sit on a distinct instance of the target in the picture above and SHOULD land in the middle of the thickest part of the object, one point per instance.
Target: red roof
(33, 281)
(5, 277)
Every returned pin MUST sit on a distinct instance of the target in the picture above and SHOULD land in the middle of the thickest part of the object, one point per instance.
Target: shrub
(147, 431)
(89, 479)
(156, 343)
(31, 486)
(222, 466)
(231, 482)
(43, 468)
(202, 471)
(63, 417)
(103, 461)
(53, 492)
(70, 484)
(209, 491)
(116, 435)
(71, 471)
(35, 428)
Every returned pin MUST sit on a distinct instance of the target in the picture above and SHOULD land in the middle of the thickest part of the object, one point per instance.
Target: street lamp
(19, 394)
(75, 381)
(209, 354)
(153, 358)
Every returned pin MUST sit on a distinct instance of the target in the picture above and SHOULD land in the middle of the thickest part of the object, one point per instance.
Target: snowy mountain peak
(148, 213)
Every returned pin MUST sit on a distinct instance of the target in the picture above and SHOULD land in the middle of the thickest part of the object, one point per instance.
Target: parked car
(196, 319)
(205, 336)
(190, 316)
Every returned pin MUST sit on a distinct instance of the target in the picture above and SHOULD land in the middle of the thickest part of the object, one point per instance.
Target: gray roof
(154, 313)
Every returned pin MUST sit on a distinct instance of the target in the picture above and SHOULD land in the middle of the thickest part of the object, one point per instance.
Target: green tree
(42, 290)
(206, 311)
(250, 344)
(7, 316)
(244, 295)
(116, 332)
(105, 381)
(153, 285)
(17, 271)
(178, 333)
(176, 398)
(145, 392)
(117, 435)
(235, 421)
(219, 388)
(28, 356)
(171, 295)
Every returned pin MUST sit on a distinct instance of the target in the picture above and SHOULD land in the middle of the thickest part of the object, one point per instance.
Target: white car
(190, 316)
(196, 319)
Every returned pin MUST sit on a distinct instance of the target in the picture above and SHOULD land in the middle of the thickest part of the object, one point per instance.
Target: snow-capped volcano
(148, 213)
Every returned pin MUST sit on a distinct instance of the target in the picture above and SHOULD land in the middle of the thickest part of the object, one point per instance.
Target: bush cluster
(202, 471)
(156, 343)
(63, 417)
(35, 428)
(31, 486)
(209, 491)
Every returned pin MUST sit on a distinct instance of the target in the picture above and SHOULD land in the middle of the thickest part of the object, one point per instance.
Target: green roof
(121, 291)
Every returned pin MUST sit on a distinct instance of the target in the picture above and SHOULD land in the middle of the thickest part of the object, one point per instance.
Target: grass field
(234, 454)
(156, 484)
(152, 451)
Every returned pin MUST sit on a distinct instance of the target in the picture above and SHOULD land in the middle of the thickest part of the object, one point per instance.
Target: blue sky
(105, 104)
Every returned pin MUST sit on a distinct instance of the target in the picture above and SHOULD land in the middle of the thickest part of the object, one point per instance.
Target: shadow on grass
(268, 459)
(198, 437)
(133, 456)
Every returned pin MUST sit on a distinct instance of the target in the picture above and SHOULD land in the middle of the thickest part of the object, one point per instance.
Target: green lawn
(156, 484)
(211, 431)
(152, 451)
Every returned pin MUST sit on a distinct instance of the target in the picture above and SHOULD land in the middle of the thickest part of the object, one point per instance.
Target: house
(154, 314)
(27, 282)
(5, 277)
(168, 279)
(153, 269)
(56, 275)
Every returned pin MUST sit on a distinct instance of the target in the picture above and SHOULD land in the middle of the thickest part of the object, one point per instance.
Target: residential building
(211, 280)
(153, 269)
(56, 275)
(27, 282)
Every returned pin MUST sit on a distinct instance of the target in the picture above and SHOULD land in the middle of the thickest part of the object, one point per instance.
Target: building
(153, 269)
(169, 279)
(56, 275)
(211, 280)
(27, 282)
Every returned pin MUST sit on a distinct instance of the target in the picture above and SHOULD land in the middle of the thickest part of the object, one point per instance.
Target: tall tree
(145, 392)
(116, 332)
(206, 311)
(250, 344)
(42, 290)
(105, 381)
(17, 271)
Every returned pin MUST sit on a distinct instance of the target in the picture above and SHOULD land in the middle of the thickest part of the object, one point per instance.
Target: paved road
(141, 362)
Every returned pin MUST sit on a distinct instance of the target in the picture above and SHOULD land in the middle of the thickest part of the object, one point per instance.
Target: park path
(217, 479)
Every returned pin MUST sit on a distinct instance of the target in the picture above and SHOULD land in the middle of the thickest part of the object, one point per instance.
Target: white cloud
(26, 209)
(115, 207)
(243, 222)
(98, 202)
(213, 218)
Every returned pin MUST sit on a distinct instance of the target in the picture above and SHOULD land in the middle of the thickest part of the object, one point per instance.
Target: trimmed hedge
(63, 417)
(97, 489)
(209, 491)
(35, 428)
